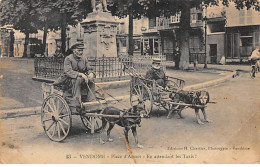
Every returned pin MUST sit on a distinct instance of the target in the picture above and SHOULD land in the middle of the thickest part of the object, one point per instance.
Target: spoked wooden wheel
(92, 124)
(142, 93)
(56, 117)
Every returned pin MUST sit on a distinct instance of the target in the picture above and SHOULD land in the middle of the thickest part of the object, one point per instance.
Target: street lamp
(205, 61)
(205, 19)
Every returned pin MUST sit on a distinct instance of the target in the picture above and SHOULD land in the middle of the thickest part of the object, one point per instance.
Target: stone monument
(100, 29)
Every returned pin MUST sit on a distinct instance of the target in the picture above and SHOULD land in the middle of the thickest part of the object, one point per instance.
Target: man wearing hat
(156, 73)
(78, 77)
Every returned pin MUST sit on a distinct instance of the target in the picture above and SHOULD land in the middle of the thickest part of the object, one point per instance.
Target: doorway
(213, 53)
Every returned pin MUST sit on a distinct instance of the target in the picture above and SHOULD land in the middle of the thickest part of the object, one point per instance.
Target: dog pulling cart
(154, 95)
(56, 115)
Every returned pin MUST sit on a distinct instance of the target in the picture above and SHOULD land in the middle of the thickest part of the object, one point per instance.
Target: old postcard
(129, 82)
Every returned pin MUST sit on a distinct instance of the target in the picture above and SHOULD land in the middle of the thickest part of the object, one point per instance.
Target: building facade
(197, 36)
(242, 32)
(159, 36)
(231, 33)
(152, 36)
(6, 40)
(215, 31)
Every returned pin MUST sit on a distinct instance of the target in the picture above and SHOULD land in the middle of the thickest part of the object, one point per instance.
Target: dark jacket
(74, 65)
(157, 75)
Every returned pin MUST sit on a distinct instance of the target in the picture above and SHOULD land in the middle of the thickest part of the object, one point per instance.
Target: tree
(28, 16)
(18, 14)
(57, 15)
(46, 18)
(70, 13)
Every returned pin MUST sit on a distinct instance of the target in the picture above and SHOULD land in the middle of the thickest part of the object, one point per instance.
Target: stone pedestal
(100, 29)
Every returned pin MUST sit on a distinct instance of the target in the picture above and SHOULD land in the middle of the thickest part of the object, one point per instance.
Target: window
(156, 46)
(175, 18)
(193, 16)
(249, 17)
(257, 34)
(152, 22)
(247, 41)
(199, 16)
(216, 27)
(135, 26)
(242, 16)
(151, 46)
(229, 45)
(195, 44)
(167, 45)
(146, 47)
(123, 41)
(137, 45)
(161, 21)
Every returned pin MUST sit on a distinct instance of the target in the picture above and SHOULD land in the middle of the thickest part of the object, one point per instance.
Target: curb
(20, 112)
(211, 83)
(103, 85)
(112, 84)
(5, 114)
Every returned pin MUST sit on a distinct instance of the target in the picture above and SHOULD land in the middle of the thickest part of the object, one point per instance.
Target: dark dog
(123, 121)
(195, 98)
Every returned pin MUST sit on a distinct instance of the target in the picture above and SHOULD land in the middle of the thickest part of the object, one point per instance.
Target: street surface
(232, 137)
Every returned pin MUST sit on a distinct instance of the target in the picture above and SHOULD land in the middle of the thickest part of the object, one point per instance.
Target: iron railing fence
(105, 68)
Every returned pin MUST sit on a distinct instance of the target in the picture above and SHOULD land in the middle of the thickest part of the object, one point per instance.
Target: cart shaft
(183, 104)
(110, 116)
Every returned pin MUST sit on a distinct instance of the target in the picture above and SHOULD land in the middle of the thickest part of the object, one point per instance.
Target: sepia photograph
(129, 81)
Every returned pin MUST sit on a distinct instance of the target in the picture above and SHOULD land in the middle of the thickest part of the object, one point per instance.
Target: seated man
(78, 78)
(156, 73)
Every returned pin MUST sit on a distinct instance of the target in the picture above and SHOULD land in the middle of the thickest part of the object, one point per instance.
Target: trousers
(80, 91)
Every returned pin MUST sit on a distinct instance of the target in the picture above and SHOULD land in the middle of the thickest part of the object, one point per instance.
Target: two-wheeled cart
(154, 95)
(56, 114)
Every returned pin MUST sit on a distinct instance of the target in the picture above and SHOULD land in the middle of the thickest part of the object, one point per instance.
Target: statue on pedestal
(104, 5)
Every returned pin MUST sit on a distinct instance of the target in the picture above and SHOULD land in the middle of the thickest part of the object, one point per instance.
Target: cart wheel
(89, 121)
(56, 117)
(141, 92)
(252, 72)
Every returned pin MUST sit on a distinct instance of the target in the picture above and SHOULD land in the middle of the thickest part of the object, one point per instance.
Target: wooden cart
(56, 115)
(153, 95)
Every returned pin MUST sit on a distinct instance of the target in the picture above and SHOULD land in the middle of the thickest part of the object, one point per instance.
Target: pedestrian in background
(177, 57)
(58, 53)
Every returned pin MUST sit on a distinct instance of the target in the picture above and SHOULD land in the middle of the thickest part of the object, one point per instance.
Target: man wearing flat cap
(156, 73)
(79, 78)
